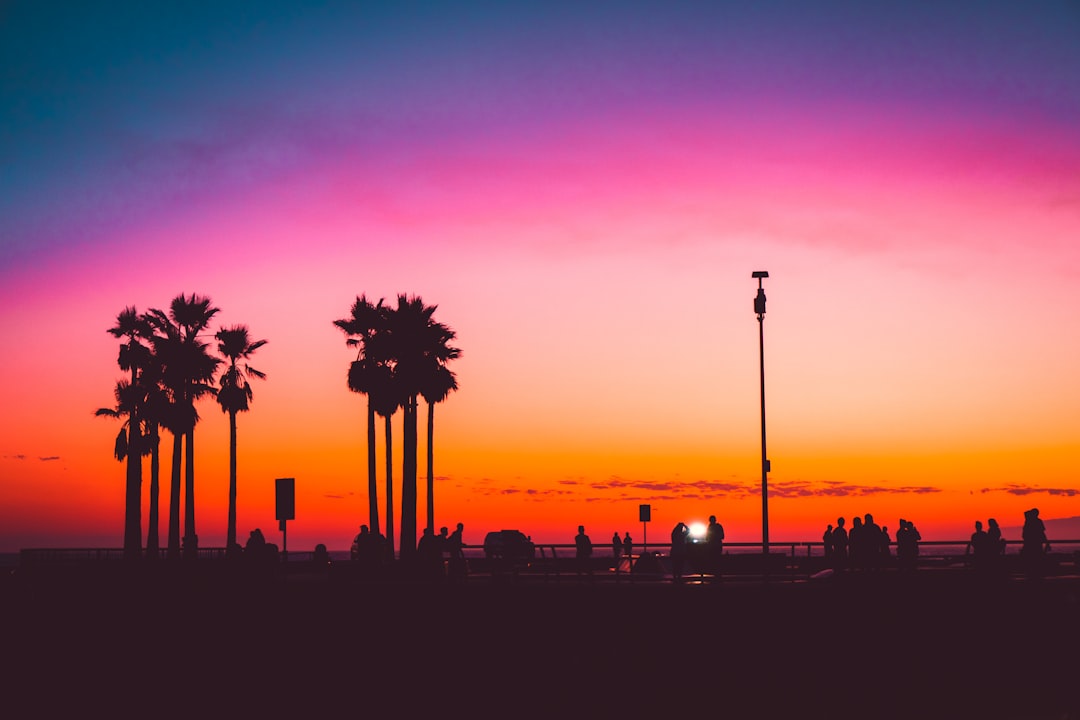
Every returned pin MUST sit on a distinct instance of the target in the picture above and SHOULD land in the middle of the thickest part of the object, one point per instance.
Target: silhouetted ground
(938, 645)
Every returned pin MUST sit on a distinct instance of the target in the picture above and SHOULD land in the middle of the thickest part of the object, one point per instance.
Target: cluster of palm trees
(402, 356)
(171, 368)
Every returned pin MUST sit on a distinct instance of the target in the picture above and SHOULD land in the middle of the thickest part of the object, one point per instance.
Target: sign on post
(645, 514)
(284, 506)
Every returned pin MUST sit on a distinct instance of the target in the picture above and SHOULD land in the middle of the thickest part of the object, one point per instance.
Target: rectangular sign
(645, 512)
(285, 497)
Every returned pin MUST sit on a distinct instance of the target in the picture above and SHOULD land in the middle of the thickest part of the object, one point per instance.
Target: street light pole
(759, 308)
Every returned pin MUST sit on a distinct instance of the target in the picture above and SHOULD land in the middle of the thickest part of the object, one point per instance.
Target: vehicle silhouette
(508, 545)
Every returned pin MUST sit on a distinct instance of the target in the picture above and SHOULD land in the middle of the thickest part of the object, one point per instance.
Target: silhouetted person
(256, 545)
(321, 557)
(714, 541)
(1035, 544)
(616, 549)
(444, 539)
(871, 540)
(456, 548)
(678, 550)
(978, 546)
(628, 547)
(428, 554)
(856, 544)
(840, 545)
(997, 543)
(583, 550)
(827, 543)
(886, 542)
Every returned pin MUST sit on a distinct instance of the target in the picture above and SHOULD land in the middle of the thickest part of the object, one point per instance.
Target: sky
(583, 190)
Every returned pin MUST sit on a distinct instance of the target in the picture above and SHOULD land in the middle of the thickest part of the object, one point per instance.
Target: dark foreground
(865, 647)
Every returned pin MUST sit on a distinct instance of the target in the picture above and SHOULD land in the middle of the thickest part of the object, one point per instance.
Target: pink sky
(595, 259)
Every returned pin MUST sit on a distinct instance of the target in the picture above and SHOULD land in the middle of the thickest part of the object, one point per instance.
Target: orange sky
(586, 215)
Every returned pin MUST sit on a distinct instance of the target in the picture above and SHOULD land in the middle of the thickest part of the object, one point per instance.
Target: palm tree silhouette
(133, 357)
(188, 371)
(416, 343)
(154, 416)
(386, 400)
(234, 395)
(437, 384)
(127, 447)
(364, 322)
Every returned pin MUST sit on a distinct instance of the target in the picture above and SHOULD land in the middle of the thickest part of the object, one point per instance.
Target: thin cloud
(1022, 490)
(50, 458)
(15, 457)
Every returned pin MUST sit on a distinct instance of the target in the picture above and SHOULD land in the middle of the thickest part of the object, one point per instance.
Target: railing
(794, 559)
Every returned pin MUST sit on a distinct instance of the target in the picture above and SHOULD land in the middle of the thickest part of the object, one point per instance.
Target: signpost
(644, 514)
(284, 508)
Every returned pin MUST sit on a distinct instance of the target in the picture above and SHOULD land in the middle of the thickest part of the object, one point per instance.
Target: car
(511, 545)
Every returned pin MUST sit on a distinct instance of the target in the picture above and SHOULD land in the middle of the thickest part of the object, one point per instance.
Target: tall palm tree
(188, 371)
(386, 400)
(437, 385)
(234, 395)
(414, 341)
(155, 416)
(127, 447)
(133, 357)
(360, 327)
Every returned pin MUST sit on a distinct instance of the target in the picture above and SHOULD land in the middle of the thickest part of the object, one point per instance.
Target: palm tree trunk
(133, 499)
(174, 497)
(373, 492)
(430, 466)
(152, 540)
(407, 545)
(230, 537)
(190, 541)
(389, 486)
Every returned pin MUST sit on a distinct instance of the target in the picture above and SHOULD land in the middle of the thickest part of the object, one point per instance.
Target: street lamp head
(760, 274)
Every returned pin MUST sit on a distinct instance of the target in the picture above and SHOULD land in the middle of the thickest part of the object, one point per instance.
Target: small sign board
(285, 497)
(645, 513)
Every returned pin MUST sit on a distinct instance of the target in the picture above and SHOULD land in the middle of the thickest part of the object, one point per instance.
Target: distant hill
(1056, 529)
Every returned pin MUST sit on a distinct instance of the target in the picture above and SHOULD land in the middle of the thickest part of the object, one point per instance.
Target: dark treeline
(170, 365)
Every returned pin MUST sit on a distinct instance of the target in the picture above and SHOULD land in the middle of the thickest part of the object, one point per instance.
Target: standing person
(455, 544)
(997, 543)
(840, 545)
(977, 546)
(827, 544)
(903, 545)
(714, 540)
(1035, 544)
(583, 547)
(616, 549)
(678, 550)
(628, 547)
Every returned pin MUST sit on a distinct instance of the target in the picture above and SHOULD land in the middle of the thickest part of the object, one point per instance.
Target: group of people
(621, 547)
(434, 552)
(867, 545)
(714, 549)
(986, 546)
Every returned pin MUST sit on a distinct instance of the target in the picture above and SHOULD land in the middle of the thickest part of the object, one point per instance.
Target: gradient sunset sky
(583, 189)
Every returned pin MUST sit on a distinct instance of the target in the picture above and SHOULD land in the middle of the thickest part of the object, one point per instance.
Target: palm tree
(154, 416)
(361, 326)
(414, 341)
(127, 447)
(234, 395)
(386, 400)
(438, 383)
(188, 371)
(133, 357)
